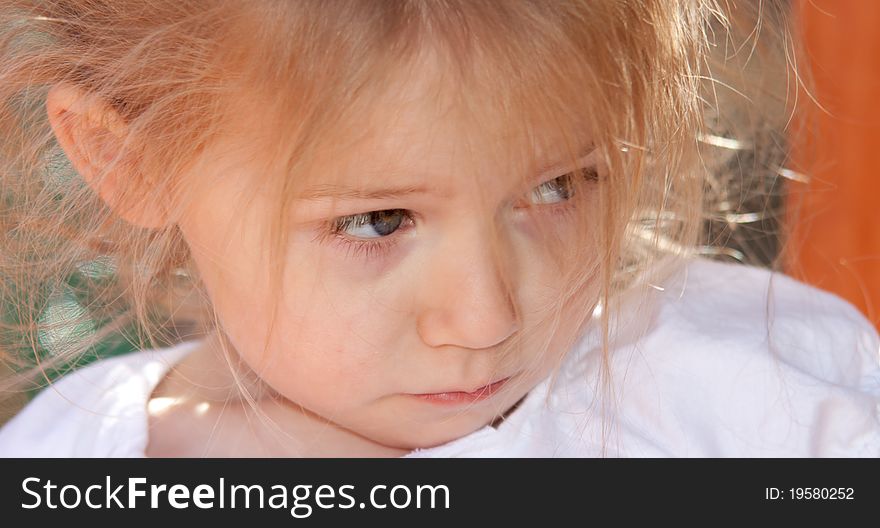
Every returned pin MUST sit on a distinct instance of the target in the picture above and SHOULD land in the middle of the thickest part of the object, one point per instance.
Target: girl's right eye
(367, 235)
(375, 224)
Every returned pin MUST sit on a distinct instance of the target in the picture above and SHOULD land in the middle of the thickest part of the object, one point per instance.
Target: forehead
(426, 123)
(432, 124)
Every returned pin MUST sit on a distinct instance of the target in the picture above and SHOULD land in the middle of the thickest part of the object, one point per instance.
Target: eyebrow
(584, 152)
(345, 192)
(355, 193)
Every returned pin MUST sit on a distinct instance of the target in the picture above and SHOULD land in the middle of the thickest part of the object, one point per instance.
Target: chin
(423, 436)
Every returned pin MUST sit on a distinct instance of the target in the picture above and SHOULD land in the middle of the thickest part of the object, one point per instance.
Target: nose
(466, 303)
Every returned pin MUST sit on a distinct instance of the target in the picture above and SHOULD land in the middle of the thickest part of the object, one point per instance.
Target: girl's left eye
(553, 191)
(560, 189)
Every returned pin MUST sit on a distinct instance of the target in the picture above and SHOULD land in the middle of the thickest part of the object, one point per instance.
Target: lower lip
(456, 398)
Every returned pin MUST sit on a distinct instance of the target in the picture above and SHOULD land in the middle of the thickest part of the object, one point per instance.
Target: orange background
(836, 218)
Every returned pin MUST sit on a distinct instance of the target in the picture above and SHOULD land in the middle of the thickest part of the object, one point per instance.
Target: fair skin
(356, 335)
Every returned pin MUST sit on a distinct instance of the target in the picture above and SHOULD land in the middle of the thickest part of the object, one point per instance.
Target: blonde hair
(661, 84)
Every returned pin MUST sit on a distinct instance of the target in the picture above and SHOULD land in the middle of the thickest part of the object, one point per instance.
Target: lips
(458, 397)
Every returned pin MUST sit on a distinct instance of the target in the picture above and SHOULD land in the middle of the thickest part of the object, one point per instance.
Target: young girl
(407, 228)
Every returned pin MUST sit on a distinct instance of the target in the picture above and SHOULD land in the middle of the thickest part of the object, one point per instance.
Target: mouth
(459, 397)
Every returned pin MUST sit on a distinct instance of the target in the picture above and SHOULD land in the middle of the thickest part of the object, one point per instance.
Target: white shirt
(722, 360)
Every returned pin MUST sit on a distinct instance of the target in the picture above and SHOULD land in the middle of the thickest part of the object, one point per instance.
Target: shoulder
(750, 362)
(98, 410)
(768, 313)
(742, 361)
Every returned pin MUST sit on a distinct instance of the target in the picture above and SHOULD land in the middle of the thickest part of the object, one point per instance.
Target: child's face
(398, 304)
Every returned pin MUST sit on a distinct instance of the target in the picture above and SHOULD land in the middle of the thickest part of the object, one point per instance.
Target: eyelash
(564, 207)
(375, 248)
(365, 248)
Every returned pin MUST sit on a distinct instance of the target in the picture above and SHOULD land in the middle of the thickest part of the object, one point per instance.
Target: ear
(91, 133)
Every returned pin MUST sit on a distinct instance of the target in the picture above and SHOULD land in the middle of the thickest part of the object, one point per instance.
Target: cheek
(335, 337)
(226, 250)
(558, 285)
(324, 362)
(237, 294)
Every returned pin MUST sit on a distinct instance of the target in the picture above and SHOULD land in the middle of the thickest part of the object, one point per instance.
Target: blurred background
(827, 196)
(835, 243)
